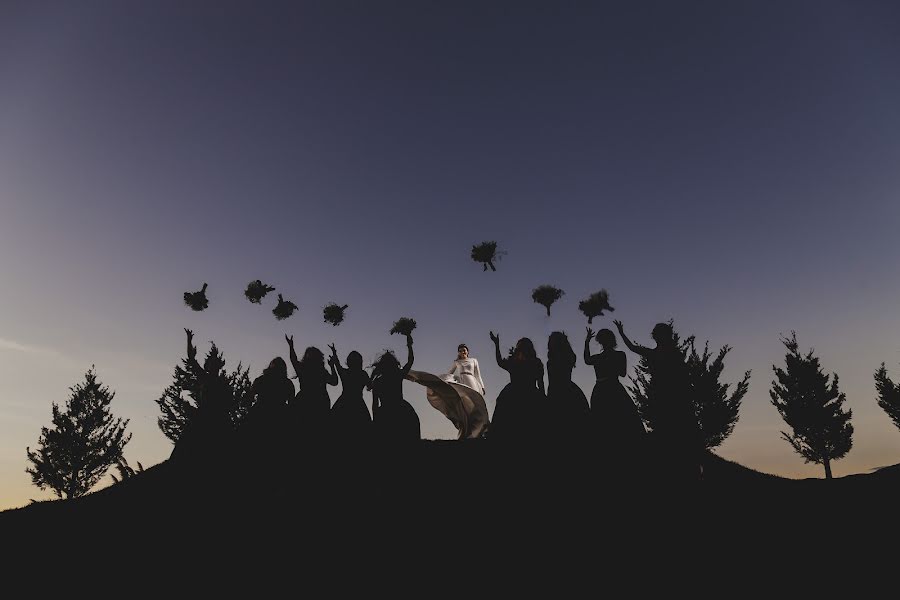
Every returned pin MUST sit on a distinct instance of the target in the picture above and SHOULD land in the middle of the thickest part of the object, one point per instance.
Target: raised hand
(495, 338)
(618, 325)
(590, 332)
(190, 334)
(290, 340)
(333, 350)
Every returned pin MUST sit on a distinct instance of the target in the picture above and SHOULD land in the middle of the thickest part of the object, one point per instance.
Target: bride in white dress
(465, 370)
(458, 394)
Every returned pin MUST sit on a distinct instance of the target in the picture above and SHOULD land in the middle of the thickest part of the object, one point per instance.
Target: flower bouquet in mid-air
(257, 290)
(546, 296)
(486, 253)
(334, 313)
(284, 309)
(197, 300)
(404, 326)
(595, 304)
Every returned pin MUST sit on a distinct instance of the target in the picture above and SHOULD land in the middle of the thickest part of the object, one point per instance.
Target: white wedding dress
(466, 372)
(458, 395)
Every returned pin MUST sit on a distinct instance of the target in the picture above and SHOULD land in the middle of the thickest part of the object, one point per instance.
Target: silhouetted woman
(273, 390)
(516, 413)
(566, 402)
(350, 422)
(675, 426)
(209, 429)
(312, 403)
(395, 420)
(617, 424)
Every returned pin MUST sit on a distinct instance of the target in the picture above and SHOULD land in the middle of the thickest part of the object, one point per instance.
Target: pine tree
(812, 407)
(888, 395)
(84, 442)
(179, 402)
(716, 409)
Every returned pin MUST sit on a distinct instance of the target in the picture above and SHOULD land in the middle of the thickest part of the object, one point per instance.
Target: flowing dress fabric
(616, 418)
(463, 405)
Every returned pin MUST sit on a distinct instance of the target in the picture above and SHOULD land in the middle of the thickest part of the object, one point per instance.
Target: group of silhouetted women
(611, 422)
(525, 413)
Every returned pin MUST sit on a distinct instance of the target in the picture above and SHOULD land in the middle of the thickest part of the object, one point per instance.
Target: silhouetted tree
(812, 407)
(84, 442)
(125, 470)
(888, 395)
(546, 296)
(716, 406)
(179, 401)
(717, 409)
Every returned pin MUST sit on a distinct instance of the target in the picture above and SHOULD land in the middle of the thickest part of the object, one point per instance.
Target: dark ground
(456, 510)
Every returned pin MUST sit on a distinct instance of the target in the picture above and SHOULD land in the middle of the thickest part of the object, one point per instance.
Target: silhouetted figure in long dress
(675, 428)
(349, 420)
(395, 420)
(310, 408)
(616, 422)
(566, 403)
(518, 404)
(266, 426)
(209, 430)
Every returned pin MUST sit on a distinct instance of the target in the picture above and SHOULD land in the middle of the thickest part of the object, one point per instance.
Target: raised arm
(636, 348)
(294, 360)
(336, 362)
(331, 378)
(496, 339)
(409, 356)
(587, 347)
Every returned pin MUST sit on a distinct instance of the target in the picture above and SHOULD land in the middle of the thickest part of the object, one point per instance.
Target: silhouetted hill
(449, 492)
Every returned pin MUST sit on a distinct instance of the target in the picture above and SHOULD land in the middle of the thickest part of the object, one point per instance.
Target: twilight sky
(732, 167)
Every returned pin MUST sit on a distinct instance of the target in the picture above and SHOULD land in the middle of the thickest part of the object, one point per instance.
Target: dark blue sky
(731, 166)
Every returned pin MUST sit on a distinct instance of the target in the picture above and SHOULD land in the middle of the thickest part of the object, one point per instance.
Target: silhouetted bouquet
(197, 300)
(334, 314)
(546, 295)
(486, 253)
(284, 309)
(595, 305)
(257, 290)
(404, 326)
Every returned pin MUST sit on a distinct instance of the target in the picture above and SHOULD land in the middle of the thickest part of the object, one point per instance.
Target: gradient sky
(732, 167)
